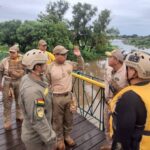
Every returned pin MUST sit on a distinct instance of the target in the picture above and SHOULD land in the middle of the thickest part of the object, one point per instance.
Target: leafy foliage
(82, 15)
(92, 37)
(8, 32)
(54, 11)
(139, 41)
(31, 32)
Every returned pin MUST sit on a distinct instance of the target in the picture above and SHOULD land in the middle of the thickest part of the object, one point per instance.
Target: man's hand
(76, 51)
(73, 105)
(16, 73)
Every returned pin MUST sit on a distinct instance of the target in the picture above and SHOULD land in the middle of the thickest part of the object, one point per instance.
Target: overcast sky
(129, 16)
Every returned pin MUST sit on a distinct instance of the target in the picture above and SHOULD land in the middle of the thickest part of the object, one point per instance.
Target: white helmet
(140, 61)
(33, 57)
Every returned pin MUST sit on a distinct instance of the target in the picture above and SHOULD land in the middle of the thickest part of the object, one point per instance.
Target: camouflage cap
(60, 50)
(14, 48)
(42, 42)
(116, 53)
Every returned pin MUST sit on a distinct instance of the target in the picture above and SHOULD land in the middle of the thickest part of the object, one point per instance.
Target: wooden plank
(78, 119)
(86, 135)
(18, 147)
(97, 147)
(81, 128)
(87, 145)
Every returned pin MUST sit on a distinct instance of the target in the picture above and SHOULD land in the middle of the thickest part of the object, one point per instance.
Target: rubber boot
(60, 145)
(69, 141)
(7, 126)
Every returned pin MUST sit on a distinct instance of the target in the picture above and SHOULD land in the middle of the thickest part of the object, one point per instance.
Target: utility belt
(61, 94)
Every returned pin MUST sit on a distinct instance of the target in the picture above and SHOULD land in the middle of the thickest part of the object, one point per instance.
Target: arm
(17, 73)
(48, 73)
(80, 61)
(108, 78)
(1, 74)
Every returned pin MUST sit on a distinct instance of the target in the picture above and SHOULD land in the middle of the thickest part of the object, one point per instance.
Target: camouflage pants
(62, 121)
(106, 122)
(7, 100)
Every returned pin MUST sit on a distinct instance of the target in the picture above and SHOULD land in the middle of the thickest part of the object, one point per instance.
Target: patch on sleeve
(40, 107)
(40, 102)
(40, 112)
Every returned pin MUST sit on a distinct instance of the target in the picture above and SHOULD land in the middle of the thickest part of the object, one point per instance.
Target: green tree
(113, 32)
(80, 25)
(54, 11)
(8, 32)
(31, 32)
(100, 30)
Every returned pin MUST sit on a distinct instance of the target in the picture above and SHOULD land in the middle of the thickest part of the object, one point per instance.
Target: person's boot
(19, 120)
(69, 141)
(7, 126)
(19, 116)
(107, 145)
(60, 145)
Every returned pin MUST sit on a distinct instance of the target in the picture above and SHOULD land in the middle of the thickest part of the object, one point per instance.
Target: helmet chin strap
(37, 73)
(135, 76)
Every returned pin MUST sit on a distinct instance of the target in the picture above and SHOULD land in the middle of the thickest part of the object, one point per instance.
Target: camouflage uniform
(60, 79)
(11, 72)
(37, 132)
(114, 82)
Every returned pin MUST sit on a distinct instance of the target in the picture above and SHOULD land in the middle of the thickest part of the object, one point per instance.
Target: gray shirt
(35, 102)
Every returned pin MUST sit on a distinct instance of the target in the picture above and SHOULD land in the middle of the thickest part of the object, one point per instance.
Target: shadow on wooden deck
(86, 135)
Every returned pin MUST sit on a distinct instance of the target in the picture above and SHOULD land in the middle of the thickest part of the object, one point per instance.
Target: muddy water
(97, 68)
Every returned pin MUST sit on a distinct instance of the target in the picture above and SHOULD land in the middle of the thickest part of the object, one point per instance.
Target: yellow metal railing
(102, 85)
(90, 97)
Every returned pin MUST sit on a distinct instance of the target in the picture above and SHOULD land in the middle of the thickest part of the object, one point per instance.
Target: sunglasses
(12, 52)
(44, 45)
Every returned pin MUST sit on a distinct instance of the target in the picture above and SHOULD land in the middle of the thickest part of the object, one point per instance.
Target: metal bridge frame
(90, 107)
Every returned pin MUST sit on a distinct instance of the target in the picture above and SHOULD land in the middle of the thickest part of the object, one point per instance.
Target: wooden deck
(86, 135)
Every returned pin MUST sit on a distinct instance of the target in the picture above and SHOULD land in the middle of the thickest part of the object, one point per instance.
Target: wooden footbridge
(88, 122)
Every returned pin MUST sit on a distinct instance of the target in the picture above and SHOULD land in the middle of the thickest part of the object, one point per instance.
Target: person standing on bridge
(115, 80)
(36, 103)
(130, 108)
(60, 79)
(11, 71)
(42, 45)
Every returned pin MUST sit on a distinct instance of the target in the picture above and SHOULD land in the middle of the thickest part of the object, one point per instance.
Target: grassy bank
(140, 42)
